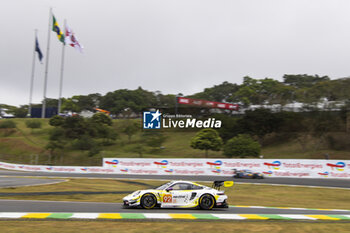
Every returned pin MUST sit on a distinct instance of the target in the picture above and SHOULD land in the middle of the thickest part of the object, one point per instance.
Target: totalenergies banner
(208, 167)
(224, 167)
(64, 169)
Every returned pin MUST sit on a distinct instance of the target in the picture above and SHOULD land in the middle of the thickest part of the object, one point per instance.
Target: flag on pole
(57, 29)
(37, 49)
(72, 40)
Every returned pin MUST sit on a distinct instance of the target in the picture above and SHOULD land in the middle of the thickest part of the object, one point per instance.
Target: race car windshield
(164, 186)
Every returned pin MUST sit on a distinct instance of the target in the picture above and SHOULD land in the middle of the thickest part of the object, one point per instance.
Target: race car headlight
(135, 194)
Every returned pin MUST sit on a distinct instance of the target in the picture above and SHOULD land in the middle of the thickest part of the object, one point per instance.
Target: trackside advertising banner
(224, 167)
(64, 169)
(208, 167)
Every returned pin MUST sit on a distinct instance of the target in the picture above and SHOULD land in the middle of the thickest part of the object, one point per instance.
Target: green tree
(165, 101)
(84, 142)
(54, 145)
(70, 104)
(220, 93)
(20, 112)
(79, 103)
(56, 121)
(57, 142)
(207, 139)
(229, 126)
(135, 100)
(107, 134)
(76, 126)
(242, 146)
(323, 123)
(131, 128)
(303, 80)
(262, 91)
(259, 122)
(101, 118)
(81, 133)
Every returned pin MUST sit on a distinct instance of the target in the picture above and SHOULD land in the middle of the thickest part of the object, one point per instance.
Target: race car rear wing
(218, 184)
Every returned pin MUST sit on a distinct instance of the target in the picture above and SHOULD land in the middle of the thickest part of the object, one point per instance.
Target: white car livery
(180, 194)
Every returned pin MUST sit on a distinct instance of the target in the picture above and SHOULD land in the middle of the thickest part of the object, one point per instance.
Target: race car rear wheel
(148, 201)
(206, 202)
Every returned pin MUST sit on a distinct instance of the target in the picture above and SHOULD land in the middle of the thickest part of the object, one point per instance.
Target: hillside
(26, 145)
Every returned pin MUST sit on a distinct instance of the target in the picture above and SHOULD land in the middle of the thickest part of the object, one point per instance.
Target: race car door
(178, 195)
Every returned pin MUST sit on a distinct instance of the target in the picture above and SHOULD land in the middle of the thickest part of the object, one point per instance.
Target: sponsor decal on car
(167, 198)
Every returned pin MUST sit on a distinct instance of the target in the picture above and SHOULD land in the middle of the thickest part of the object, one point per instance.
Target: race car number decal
(167, 198)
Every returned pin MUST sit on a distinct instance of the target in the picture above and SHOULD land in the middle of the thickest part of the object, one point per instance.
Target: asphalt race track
(7, 182)
(338, 183)
(100, 207)
(8, 178)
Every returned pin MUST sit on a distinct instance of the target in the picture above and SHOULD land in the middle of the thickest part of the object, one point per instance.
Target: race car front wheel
(148, 201)
(206, 202)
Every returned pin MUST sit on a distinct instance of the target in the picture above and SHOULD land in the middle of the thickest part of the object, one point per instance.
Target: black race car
(247, 174)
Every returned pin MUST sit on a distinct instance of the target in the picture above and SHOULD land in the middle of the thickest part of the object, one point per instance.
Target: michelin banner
(208, 167)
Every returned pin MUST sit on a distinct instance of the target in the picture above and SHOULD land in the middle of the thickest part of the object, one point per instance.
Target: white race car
(180, 194)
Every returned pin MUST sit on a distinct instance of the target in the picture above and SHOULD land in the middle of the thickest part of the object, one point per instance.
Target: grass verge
(150, 227)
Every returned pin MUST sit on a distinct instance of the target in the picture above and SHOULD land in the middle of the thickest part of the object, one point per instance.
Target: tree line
(294, 88)
(244, 136)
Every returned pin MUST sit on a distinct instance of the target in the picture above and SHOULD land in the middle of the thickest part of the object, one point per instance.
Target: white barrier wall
(224, 167)
(210, 167)
(63, 169)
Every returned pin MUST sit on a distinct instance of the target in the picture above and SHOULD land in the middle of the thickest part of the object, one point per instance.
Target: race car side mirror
(169, 189)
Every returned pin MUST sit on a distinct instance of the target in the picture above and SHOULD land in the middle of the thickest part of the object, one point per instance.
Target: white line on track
(31, 177)
(295, 185)
(228, 216)
(297, 216)
(85, 215)
(160, 216)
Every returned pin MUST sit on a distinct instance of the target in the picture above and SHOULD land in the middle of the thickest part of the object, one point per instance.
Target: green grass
(156, 226)
(239, 194)
(25, 142)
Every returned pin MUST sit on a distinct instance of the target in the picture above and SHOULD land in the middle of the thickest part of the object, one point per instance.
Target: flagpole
(62, 69)
(32, 76)
(43, 110)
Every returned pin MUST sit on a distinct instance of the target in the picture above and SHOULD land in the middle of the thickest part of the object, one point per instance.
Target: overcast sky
(174, 46)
